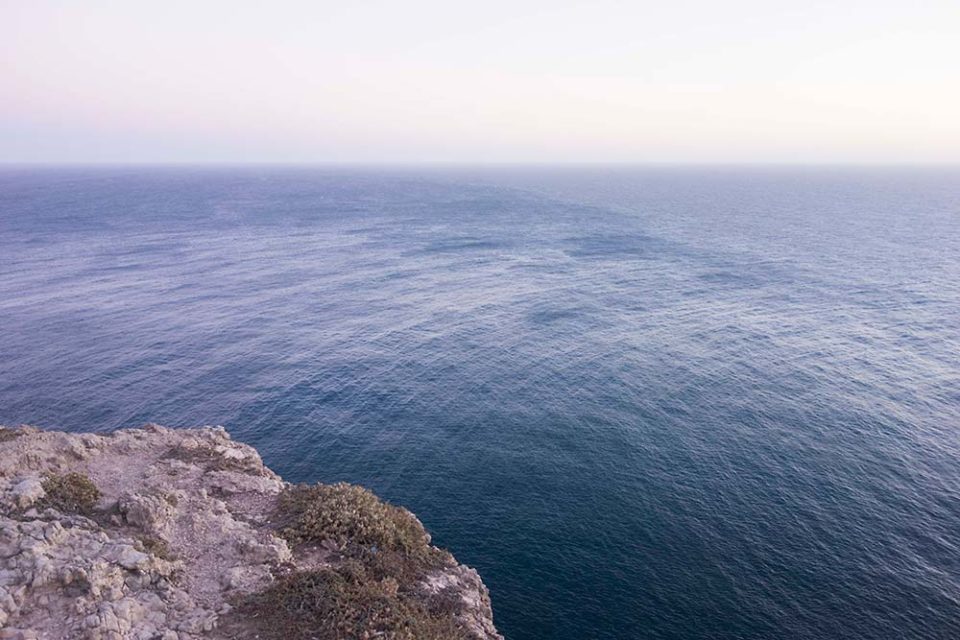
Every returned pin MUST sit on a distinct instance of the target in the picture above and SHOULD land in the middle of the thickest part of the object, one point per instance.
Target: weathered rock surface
(181, 529)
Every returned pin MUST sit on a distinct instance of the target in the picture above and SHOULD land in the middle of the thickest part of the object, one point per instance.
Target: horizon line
(471, 164)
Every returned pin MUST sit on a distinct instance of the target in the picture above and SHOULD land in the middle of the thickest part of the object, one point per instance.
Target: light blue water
(674, 403)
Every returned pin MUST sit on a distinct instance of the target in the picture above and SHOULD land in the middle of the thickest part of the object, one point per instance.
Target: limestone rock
(27, 492)
(183, 525)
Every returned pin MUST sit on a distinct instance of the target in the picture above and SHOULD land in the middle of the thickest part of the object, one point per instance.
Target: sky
(291, 81)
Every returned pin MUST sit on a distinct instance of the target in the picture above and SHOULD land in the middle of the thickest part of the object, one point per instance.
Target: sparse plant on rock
(71, 493)
(210, 458)
(157, 546)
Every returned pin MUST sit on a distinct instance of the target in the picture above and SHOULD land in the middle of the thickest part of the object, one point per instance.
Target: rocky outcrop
(156, 533)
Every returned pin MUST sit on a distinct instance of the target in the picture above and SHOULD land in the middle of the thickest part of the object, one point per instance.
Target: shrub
(71, 493)
(373, 591)
(345, 602)
(387, 539)
(347, 513)
(406, 568)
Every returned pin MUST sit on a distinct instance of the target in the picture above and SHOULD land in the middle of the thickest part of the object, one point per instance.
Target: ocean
(666, 403)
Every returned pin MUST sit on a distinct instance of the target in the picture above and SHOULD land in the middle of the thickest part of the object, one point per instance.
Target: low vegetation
(387, 539)
(347, 602)
(347, 513)
(208, 458)
(157, 547)
(374, 589)
(70, 493)
(9, 434)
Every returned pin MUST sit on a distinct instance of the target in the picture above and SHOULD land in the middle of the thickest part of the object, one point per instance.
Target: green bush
(71, 493)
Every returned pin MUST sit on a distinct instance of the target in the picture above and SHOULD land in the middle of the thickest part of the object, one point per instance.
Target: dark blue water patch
(549, 316)
(462, 244)
(611, 247)
(686, 403)
(730, 278)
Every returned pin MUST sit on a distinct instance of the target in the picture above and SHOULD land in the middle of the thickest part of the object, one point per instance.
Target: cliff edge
(175, 534)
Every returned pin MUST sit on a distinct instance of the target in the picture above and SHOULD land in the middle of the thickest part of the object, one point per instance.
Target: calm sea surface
(644, 403)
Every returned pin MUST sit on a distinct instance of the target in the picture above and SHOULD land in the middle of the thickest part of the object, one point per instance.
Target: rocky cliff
(167, 534)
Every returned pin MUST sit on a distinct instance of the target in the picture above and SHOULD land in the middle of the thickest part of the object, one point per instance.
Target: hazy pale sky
(494, 81)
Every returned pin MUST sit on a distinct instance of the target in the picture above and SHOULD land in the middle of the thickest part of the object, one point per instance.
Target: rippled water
(674, 403)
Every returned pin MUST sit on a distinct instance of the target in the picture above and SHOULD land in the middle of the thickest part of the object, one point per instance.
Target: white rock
(130, 558)
(27, 492)
(232, 578)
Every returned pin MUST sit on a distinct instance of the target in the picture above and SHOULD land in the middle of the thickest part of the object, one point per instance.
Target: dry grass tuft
(157, 547)
(210, 459)
(71, 493)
